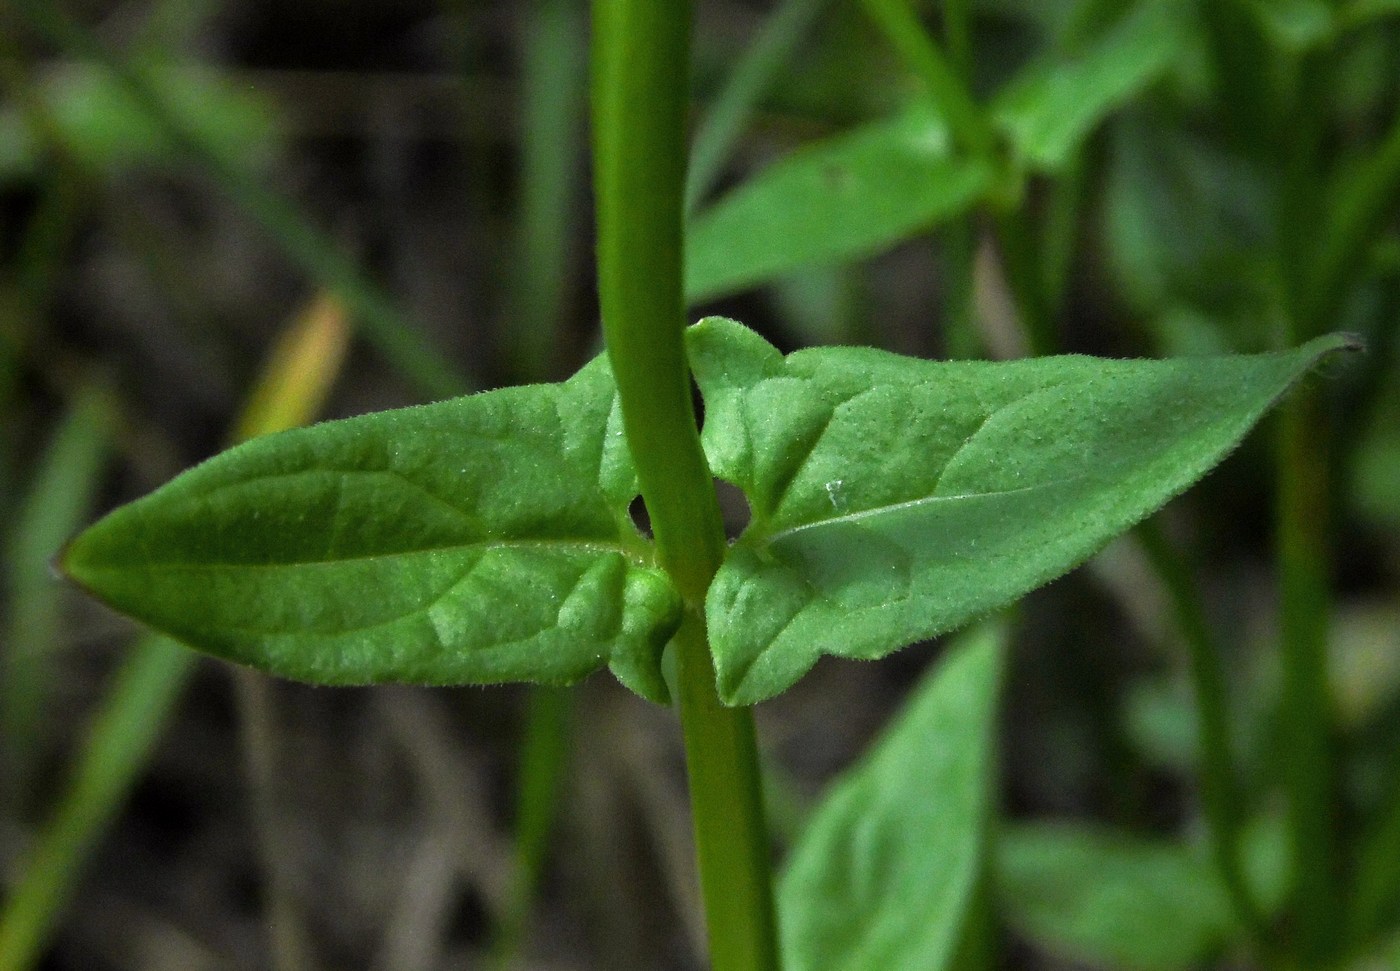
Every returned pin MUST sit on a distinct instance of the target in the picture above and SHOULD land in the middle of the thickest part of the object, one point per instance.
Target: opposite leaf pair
(487, 538)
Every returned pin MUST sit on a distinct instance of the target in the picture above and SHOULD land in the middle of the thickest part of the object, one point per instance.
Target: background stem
(641, 53)
(1220, 795)
(544, 758)
(1306, 703)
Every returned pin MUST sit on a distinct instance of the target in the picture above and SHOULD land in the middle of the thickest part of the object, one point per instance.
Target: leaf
(886, 873)
(893, 499)
(483, 539)
(1185, 222)
(1360, 12)
(1296, 26)
(104, 127)
(841, 199)
(1049, 109)
(1111, 900)
(60, 494)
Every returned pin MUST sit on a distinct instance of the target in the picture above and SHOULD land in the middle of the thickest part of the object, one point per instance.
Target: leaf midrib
(877, 511)
(584, 545)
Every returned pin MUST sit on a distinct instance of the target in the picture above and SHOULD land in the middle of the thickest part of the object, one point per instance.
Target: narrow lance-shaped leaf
(103, 128)
(893, 499)
(482, 539)
(1050, 108)
(842, 199)
(888, 871)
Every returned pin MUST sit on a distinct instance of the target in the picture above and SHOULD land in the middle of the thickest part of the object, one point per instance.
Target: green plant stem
(957, 28)
(751, 76)
(641, 54)
(966, 120)
(1220, 796)
(1020, 256)
(117, 748)
(961, 340)
(554, 73)
(380, 321)
(1362, 204)
(60, 496)
(1303, 557)
(1316, 905)
(1377, 885)
(544, 756)
(729, 820)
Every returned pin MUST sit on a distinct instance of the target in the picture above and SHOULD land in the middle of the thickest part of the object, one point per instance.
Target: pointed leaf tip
(894, 499)
(888, 870)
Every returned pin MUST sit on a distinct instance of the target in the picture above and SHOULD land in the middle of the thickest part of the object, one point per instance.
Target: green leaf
(1111, 900)
(59, 498)
(1360, 12)
(482, 539)
(888, 869)
(893, 499)
(104, 127)
(1297, 26)
(841, 199)
(1185, 223)
(1049, 109)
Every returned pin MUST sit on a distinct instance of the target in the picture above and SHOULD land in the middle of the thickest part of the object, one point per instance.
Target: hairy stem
(641, 53)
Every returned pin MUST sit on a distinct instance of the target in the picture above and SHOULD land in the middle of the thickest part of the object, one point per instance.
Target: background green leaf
(103, 126)
(1109, 899)
(482, 539)
(893, 499)
(841, 199)
(1055, 103)
(1114, 900)
(887, 872)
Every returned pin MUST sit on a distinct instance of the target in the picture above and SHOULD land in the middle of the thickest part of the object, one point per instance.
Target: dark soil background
(394, 127)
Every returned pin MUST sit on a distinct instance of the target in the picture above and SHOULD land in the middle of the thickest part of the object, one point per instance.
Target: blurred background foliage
(202, 204)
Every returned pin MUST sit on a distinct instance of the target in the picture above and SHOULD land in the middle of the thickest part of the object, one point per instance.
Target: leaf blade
(1111, 900)
(1051, 107)
(478, 540)
(841, 199)
(895, 499)
(886, 873)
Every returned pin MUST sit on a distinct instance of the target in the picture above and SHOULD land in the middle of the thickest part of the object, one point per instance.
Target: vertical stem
(1303, 557)
(957, 31)
(641, 51)
(961, 341)
(544, 756)
(966, 120)
(553, 74)
(750, 79)
(1020, 257)
(1220, 796)
(1303, 532)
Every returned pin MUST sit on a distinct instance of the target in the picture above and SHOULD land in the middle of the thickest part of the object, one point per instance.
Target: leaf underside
(478, 540)
(894, 499)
